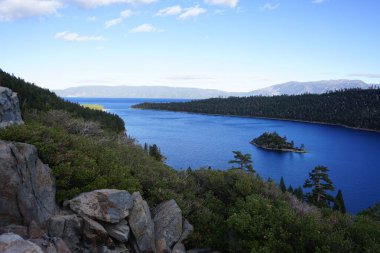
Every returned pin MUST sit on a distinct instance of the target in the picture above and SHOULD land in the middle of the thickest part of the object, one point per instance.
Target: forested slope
(354, 107)
(232, 211)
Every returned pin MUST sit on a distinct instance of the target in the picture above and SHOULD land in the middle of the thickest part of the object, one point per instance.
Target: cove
(194, 140)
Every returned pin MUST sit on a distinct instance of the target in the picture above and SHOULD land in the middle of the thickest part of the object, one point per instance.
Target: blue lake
(352, 156)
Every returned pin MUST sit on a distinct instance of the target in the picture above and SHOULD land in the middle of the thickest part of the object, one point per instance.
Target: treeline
(33, 97)
(351, 107)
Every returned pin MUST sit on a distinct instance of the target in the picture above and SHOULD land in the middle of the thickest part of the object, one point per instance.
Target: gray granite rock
(12, 243)
(142, 226)
(105, 205)
(9, 108)
(27, 189)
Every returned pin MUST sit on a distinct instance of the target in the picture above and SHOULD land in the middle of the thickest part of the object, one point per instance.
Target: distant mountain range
(290, 88)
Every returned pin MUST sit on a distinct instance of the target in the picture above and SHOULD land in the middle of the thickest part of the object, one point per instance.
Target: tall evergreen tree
(298, 192)
(339, 202)
(155, 152)
(243, 160)
(282, 185)
(290, 189)
(320, 184)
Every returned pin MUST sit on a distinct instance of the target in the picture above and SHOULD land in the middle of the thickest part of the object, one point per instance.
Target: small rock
(61, 246)
(187, 229)
(15, 229)
(94, 233)
(119, 231)
(12, 243)
(67, 227)
(105, 205)
(35, 231)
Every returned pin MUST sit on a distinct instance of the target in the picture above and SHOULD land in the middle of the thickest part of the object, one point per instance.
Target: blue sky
(234, 45)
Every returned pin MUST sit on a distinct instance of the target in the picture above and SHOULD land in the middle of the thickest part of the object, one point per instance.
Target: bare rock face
(12, 243)
(27, 189)
(168, 222)
(9, 108)
(67, 227)
(105, 205)
(142, 226)
(119, 231)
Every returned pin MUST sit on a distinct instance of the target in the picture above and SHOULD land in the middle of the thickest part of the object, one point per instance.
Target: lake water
(352, 156)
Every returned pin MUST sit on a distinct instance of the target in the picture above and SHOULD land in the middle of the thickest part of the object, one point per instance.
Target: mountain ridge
(146, 91)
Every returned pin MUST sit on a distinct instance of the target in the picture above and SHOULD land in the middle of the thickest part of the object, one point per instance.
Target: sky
(232, 45)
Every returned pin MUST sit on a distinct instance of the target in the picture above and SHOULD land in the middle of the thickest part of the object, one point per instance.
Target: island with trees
(273, 141)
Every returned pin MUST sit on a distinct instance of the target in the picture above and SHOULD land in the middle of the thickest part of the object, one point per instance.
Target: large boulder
(168, 222)
(12, 243)
(105, 205)
(27, 189)
(142, 226)
(9, 108)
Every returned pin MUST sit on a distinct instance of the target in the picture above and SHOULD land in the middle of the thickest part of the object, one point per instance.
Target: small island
(273, 141)
(93, 107)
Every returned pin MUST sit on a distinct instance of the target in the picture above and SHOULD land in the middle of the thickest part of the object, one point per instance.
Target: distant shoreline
(255, 117)
(280, 150)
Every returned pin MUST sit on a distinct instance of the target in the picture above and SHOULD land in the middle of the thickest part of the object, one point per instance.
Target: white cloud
(113, 22)
(126, 14)
(318, 1)
(17, 9)
(227, 3)
(170, 11)
(97, 3)
(145, 28)
(269, 7)
(192, 12)
(91, 19)
(123, 15)
(69, 36)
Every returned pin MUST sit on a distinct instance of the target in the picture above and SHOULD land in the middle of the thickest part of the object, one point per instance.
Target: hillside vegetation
(354, 107)
(232, 211)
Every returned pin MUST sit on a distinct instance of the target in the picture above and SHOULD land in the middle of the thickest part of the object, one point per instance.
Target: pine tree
(290, 189)
(155, 152)
(298, 192)
(243, 160)
(282, 185)
(339, 203)
(320, 184)
(146, 148)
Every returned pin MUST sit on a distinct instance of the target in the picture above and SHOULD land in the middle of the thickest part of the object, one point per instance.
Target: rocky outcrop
(168, 225)
(27, 189)
(106, 205)
(9, 108)
(142, 225)
(104, 221)
(12, 243)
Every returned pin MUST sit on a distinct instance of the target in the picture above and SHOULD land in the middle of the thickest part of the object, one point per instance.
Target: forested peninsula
(356, 108)
(232, 211)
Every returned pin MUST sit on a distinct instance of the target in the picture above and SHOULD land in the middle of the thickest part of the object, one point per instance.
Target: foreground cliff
(106, 220)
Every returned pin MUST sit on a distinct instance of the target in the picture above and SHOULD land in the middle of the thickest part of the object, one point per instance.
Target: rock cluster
(9, 108)
(107, 220)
